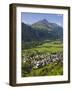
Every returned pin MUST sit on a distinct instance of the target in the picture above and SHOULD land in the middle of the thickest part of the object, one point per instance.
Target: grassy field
(37, 52)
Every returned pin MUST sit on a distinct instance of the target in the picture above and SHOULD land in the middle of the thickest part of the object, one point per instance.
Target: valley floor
(44, 59)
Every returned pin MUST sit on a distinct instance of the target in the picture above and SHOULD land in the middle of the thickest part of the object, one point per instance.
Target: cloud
(59, 24)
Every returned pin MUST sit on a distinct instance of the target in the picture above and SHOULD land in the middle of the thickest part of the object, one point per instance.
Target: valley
(46, 56)
(42, 49)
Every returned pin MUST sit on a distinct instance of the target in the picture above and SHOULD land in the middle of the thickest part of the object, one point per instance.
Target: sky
(30, 18)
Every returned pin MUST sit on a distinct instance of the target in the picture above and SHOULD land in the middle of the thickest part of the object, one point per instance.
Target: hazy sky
(30, 18)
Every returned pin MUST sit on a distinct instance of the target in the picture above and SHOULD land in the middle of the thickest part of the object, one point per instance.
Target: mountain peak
(44, 21)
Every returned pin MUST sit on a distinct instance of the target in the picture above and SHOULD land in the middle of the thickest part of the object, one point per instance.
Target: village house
(44, 59)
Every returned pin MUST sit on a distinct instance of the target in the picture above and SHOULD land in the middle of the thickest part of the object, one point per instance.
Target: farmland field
(44, 58)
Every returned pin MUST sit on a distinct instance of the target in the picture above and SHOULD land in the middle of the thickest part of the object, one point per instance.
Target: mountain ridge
(41, 30)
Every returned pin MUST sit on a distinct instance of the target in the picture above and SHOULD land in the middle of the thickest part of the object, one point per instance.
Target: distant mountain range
(41, 30)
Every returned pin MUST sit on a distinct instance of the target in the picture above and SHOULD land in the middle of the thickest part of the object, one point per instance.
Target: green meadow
(38, 52)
